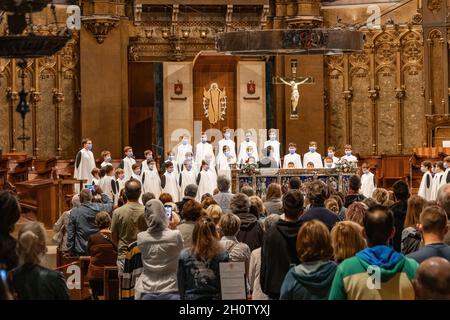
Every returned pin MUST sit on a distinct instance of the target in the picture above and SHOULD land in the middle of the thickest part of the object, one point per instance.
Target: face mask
(204, 139)
(189, 157)
(130, 154)
(292, 150)
(121, 177)
(365, 171)
(149, 157)
(247, 138)
(249, 154)
(433, 170)
(227, 153)
(445, 165)
(185, 142)
(348, 153)
(206, 168)
(189, 167)
(423, 169)
(89, 146)
(170, 170)
(312, 149)
(151, 167)
(107, 159)
(138, 172)
(272, 137)
(227, 136)
(328, 165)
(330, 154)
(171, 157)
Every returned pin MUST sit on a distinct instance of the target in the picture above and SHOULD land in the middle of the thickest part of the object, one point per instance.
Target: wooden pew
(111, 285)
(395, 167)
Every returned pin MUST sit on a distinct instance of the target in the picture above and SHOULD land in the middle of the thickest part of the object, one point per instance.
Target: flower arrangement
(249, 169)
(344, 166)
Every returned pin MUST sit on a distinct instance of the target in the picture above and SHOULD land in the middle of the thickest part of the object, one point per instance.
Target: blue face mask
(107, 159)
(348, 153)
(150, 157)
(185, 142)
(89, 146)
(272, 137)
(227, 153)
(130, 154)
(189, 167)
(328, 164)
(312, 149)
(292, 150)
(171, 158)
(330, 154)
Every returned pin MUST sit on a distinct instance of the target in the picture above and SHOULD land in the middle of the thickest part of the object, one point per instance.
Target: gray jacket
(273, 206)
(223, 199)
(82, 224)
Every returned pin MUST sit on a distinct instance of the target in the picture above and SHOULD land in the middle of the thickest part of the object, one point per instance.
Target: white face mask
(227, 136)
(272, 137)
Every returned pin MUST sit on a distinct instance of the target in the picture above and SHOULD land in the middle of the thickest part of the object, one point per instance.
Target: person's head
(317, 192)
(223, 183)
(432, 280)
(128, 151)
(247, 190)
(85, 196)
(147, 197)
(229, 224)
(365, 168)
(440, 166)
(447, 162)
(151, 164)
(75, 201)
(133, 190)
(332, 205)
(378, 226)
(205, 165)
(273, 192)
(348, 150)
(291, 165)
(356, 212)
(433, 221)
(9, 211)
(354, 183)
(226, 133)
(148, 155)
(338, 200)
(331, 150)
(256, 206)
(293, 201)
(443, 198)
(381, 196)
(192, 210)
(347, 239)
(191, 190)
(248, 135)
(155, 216)
(185, 139)
(187, 164)
(270, 221)
(426, 166)
(207, 200)
(31, 243)
(122, 198)
(87, 144)
(171, 155)
(328, 162)
(165, 198)
(109, 171)
(215, 212)
(95, 173)
(294, 183)
(369, 202)
(292, 148)
(314, 242)
(415, 206)
(312, 146)
(204, 137)
(272, 134)
(119, 174)
(103, 220)
(136, 168)
(240, 203)
(401, 190)
(106, 155)
(205, 239)
(310, 165)
(169, 166)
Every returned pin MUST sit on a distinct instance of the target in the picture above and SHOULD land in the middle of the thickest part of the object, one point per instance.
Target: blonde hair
(332, 205)
(229, 224)
(313, 242)
(347, 240)
(31, 243)
(215, 212)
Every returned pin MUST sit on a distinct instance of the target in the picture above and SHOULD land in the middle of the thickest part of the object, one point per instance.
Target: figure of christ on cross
(294, 93)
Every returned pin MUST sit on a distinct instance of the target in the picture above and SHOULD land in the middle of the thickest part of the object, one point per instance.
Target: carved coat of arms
(214, 103)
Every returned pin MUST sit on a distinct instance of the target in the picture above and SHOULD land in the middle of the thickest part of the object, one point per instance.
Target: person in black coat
(278, 251)
(401, 194)
(353, 194)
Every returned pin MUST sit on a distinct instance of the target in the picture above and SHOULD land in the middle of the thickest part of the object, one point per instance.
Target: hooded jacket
(308, 281)
(251, 231)
(376, 273)
(278, 254)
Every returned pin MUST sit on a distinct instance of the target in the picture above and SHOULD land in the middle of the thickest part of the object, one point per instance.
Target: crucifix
(294, 82)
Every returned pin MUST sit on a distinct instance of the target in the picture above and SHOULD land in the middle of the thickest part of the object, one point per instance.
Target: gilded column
(58, 97)
(35, 97)
(12, 99)
(373, 95)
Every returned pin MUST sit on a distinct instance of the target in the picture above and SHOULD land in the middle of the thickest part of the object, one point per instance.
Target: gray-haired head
(76, 201)
(155, 216)
(223, 183)
(191, 190)
(240, 203)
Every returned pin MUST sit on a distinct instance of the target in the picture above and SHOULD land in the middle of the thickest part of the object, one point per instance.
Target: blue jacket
(82, 224)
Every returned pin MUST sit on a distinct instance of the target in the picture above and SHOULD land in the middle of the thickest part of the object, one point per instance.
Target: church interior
(166, 86)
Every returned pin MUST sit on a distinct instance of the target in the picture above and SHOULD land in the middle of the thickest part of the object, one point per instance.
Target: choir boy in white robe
(190, 157)
(244, 147)
(204, 149)
(169, 183)
(136, 175)
(206, 180)
(348, 154)
(446, 175)
(226, 141)
(427, 180)
(148, 156)
(118, 184)
(313, 156)
(106, 155)
(127, 163)
(107, 181)
(95, 176)
(212, 166)
(84, 163)
(224, 162)
(182, 148)
(330, 154)
(187, 176)
(293, 157)
(275, 144)
(367, 181)
(437, 179)
(171, 158)
(151, 182)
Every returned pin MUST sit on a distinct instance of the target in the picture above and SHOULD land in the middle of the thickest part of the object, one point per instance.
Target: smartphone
(3, 275)
(90, 187)
(168, 212)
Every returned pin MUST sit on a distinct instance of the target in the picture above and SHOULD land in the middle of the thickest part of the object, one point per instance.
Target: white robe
(313, 157)
(134, 176)
(151, 182)
(426, 186)
(275, 144)
(444, 178)
(119, 185)
(84, 169)
(176, 169)
(187, 178)
(128, 167)
(295, 158)
(367, 184)
(226, 142)
(243, 151)
(351, 158)
(105, 185)
(437, 181)
(335, 160)
(202, 150)
(181, 152)
(144, 167)
(207, 183)
(105, 164)
(223, 165)
(171, 187)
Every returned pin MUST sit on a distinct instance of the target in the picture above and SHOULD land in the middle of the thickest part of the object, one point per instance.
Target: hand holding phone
(168, 212)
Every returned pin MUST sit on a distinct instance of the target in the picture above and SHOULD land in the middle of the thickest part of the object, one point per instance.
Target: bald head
(433, 280)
